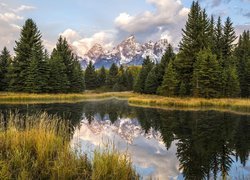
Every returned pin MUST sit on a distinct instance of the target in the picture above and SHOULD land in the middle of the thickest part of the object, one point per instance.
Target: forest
(212, 62)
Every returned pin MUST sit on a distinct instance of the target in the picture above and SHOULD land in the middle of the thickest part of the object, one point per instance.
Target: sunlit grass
(51, 98)
(38, 147)
(160, 101)
(242, 105)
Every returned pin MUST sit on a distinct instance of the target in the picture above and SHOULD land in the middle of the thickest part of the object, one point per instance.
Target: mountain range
(128, 52)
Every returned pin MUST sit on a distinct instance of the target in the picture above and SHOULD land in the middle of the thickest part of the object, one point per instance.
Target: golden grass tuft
(38, 147)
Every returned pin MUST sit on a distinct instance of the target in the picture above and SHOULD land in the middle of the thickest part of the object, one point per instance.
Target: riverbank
(239, 105)
(38, 146)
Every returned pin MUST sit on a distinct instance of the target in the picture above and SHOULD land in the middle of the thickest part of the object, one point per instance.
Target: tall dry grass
(38, 147)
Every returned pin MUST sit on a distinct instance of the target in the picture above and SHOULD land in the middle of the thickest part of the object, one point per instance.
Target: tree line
(208, 64)
(32, 70)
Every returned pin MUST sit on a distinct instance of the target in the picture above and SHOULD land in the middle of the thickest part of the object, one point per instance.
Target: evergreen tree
(218, 43)
(230, 83)
(58, 80)
(242, 55)
(5, 60)
(38, 72)
(112, 76)
(141, 78)
(90, 76)
(102, 77)
(195, 38)
(211, 35)
(228, 38)
(77, 80)
(168, 55)
(70, 61)
(130, 80)
(151, 83)
(206, 82)
(170, 82)
(30, 40)
(122, 82)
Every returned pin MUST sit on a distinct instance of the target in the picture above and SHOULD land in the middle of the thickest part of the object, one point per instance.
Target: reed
(38, 147)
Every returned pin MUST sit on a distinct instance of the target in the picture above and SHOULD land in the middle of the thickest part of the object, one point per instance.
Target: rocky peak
(95, 52)
(160, 47)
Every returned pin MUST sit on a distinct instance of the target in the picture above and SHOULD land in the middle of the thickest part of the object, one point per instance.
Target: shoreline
(134, 99)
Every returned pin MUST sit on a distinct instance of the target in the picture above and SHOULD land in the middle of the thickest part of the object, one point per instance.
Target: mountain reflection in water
(164, 144)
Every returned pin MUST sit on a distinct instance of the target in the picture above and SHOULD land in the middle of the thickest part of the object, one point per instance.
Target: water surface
(164, 144)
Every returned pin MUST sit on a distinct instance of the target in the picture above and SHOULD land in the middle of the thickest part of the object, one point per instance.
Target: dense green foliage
(207, 65)
(5, 60)
(32, 70)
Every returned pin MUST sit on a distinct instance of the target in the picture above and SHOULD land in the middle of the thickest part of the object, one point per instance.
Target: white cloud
(70, 35)
(10, 20)
(10, 17)
(170, 15)
(23, 8)
(83, 44)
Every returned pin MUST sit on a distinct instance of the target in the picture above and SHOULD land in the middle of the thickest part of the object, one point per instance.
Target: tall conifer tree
(5, 60)
(30, 40)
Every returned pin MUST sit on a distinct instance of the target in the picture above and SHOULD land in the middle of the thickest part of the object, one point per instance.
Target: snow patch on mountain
(128, 52)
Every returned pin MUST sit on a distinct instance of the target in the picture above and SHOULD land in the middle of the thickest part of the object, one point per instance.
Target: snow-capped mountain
(128, 52)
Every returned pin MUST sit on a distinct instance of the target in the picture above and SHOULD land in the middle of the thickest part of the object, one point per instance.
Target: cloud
(10, 17)
(168, 17)
(215, 3)
(23, 8)
(10, 20)
(82, 44)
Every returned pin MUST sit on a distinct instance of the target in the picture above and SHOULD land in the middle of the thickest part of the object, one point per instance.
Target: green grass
(38, 147)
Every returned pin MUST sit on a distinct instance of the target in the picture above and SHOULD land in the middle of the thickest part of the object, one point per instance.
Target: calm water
(163, 144)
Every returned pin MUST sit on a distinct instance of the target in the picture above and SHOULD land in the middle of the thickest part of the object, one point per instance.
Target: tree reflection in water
(206, 140)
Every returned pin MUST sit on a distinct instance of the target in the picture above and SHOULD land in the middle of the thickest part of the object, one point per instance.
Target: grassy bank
(17, 98)
(240, 105)
(38, 147)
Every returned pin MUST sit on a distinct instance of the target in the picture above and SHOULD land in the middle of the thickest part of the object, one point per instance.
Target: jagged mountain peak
(95, 52)
(128, 52)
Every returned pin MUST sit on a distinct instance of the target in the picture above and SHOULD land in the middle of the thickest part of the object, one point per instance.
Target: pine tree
(122, 83)
(230, 83)
(151, 83)
(112, 76)
(206, 79)
(170, 82)
(242, 55)
(5, 60)
(228, 38)
(102, 77)
(195, 38)
(69, 59)
(90, 76)
(218, 44)
(30, 39)
(38, 72)
(77, 80)
(141, 78)
(58, 80)
(168, 55)
(130, 80)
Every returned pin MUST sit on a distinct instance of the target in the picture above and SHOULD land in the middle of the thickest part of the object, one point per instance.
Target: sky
(107, 22)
